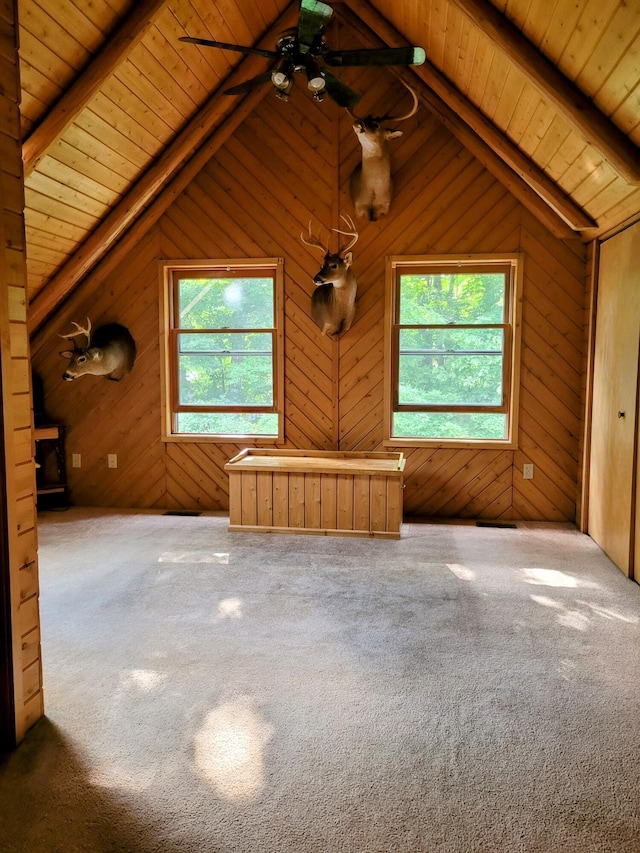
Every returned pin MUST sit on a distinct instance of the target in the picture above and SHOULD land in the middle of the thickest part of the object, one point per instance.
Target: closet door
(615, 387)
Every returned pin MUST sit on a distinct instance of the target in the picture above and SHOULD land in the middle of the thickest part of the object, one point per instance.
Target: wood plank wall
(16, 396)
(286, 164)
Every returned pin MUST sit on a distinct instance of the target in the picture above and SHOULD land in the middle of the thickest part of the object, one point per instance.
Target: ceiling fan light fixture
(282, 75)
(315, 79)
(317, 84)
(283, 92)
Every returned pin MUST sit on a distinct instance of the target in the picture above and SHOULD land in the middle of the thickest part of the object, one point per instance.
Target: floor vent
(181, 512)
(507, 524)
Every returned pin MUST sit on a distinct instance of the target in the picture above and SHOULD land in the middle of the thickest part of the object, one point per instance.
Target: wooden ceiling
(117, 113)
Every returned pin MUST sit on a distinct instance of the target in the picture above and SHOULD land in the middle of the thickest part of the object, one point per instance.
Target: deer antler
(353, 233)
(380, 119)
(314, 242)
(412, 111)
(80, 331)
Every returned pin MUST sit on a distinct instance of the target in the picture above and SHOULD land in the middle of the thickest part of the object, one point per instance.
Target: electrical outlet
(76, 460)
(527, 471)
(112, 460)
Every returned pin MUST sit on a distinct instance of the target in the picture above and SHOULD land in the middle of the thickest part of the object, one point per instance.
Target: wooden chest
(319, 492)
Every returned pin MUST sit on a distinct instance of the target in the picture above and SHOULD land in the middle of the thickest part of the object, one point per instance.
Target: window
(223, 375)
(453, 349)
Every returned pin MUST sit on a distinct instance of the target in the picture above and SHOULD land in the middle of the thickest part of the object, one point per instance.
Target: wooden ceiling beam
(478, 133)
(78, 95)
(145, 202)
(574, 105)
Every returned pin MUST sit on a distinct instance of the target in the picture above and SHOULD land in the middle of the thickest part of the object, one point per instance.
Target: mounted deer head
(371, 186)
(109, 352)
(333, 302)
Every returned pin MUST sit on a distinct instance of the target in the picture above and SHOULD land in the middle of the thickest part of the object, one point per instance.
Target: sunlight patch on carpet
(566, 617)
(229, 750)
(461, 572)
(606, 613)
(141, 680)
(229, 608)
(192, 557)
(548, 577)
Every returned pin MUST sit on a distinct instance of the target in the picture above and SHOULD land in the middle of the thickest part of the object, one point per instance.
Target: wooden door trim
(7, 697)
(583, 519)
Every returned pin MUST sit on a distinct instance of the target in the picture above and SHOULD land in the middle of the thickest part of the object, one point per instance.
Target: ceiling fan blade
(223, 45)
(339, 91)
(248, 85)
(313, 18)
(377, 56)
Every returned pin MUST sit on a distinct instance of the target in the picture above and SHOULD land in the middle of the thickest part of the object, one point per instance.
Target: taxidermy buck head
(333, 302)
(371, 185)
(109, 352)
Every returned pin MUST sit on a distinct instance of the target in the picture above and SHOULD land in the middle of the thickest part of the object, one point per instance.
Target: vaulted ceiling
(118, 114)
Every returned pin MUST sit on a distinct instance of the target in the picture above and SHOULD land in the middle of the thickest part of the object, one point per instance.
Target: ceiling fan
(303, 49)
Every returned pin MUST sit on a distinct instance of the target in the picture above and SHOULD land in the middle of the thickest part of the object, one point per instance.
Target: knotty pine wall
(286, 164)
(18, 494)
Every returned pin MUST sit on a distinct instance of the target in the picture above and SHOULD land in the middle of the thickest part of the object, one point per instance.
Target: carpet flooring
(461, 689)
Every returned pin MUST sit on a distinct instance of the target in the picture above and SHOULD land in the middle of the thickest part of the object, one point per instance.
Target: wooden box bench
(315, 491)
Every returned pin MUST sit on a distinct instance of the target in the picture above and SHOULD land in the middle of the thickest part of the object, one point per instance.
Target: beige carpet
(463, 689)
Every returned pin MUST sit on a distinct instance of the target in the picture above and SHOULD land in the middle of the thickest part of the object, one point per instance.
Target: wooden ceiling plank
(514, 85)
(493, 90)
(593, 19)
(556, 134)
(480, 70)
(167, 46)
(43, 58)
(162, 183)
(56, 169)
(58, 192)
(88, 83)
(560, 27)
(614, 55)
(79, 138)
(537, 26)
(188, 20)
(466, 51)
(516, 128)
(594, 125)
(58, 31)
(623, 80)
(455, 24)
(42, 220)
(626, 115)
(621, 215)
(437, 29)
(478, 133)
(115, 135)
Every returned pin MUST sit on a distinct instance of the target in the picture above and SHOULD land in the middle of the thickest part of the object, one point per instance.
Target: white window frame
(168, 360)
(394, 266)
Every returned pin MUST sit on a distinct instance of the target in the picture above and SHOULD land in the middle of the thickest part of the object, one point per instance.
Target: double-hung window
(223, 374)
(453, 330)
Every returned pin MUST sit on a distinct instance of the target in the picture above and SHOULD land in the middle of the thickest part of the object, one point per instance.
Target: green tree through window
(223, 351)
(451, 339)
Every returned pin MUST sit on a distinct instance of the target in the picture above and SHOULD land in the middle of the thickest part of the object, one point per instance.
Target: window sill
(454, 444)
(244, 440)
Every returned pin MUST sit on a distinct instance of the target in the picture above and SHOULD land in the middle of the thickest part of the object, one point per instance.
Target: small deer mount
(333, 302)
(110, 352)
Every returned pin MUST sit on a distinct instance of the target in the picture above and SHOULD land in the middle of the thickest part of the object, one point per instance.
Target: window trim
(511, 363)
(168, 336)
